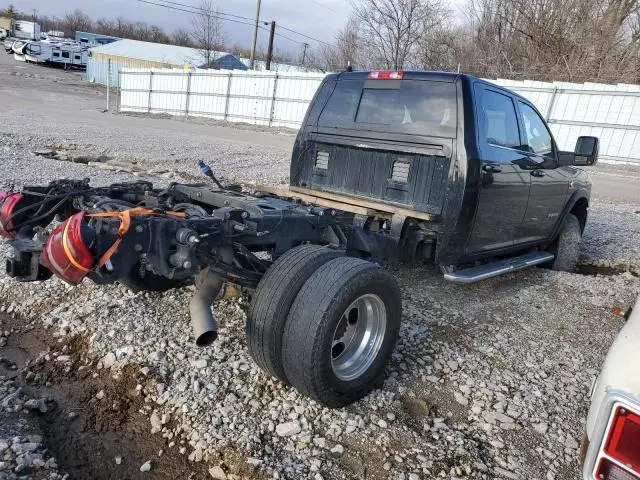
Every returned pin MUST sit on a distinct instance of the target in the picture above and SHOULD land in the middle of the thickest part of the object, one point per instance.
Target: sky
(319, 19)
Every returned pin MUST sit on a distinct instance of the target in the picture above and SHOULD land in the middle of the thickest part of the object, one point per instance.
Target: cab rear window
(416, 107)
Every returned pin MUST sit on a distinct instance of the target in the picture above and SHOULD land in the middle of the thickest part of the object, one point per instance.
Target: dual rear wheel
(325, 323)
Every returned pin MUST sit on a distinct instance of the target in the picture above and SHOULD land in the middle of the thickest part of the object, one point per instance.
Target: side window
(319, 101)
(65, 54)
(499, 120)
(537, 136)
(341, 108)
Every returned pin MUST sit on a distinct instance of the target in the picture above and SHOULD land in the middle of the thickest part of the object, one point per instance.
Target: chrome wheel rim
(358, 337)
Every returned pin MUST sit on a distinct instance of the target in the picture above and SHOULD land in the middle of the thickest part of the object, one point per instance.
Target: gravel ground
(488, 381)
(459, 400)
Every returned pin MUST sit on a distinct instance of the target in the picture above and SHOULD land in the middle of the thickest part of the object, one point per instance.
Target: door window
(537, 136)
(500, 120)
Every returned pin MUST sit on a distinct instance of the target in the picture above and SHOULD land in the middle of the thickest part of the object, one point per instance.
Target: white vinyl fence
(610, 112)
(260, 98)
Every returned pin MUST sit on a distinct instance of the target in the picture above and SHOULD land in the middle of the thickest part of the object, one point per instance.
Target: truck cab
(478, 159)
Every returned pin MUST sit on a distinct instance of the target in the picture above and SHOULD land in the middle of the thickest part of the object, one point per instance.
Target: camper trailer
(60, 51)
(70, 55)
(38, 52)
(26, 30)
(53, 34)
(18, 50)
(8, 45)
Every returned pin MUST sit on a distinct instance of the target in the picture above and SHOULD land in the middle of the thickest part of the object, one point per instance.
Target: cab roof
(426, 75)
(408, 75)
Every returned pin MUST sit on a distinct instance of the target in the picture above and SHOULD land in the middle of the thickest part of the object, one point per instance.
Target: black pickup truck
(416, 166)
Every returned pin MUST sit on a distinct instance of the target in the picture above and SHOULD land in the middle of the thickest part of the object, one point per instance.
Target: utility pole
(255, 36)
(34, 25)
(304, 52)
(270, 49)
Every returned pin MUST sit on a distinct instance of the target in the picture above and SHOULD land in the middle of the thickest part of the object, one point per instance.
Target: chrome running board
(489, 270)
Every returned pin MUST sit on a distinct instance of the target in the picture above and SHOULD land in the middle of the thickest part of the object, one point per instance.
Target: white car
(611, 448)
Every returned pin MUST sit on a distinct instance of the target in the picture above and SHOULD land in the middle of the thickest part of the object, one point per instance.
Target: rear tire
(341, 331)
(566, 246)
(272, 300)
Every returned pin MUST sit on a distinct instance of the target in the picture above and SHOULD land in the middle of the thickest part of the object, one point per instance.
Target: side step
(482, 272)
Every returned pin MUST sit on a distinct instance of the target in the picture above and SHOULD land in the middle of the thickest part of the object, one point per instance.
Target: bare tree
(11, 11)
(157, 35)
(123, 28)
(440, 48)
(206, 31)
(392, 29)
(181, 37)
(105, 26)
(576, 40)
(76, 21)
(345, 50)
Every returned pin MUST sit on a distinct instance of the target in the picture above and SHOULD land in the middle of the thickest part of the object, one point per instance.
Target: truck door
(549, 184)
(504, 180)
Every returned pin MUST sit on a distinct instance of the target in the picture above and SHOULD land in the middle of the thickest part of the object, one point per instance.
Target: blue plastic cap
(206, 169)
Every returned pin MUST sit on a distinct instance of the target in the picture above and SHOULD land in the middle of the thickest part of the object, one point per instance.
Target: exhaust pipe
(203, 322)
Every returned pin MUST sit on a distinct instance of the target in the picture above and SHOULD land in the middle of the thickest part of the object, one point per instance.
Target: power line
(207, 11)
(192, 11)
(199, 11)
(325, 6)
(303, 35)
(252, 19)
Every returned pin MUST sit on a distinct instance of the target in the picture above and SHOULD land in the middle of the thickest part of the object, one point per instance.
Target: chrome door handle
(538, 173)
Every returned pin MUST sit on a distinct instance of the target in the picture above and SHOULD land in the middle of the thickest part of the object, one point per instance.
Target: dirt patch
(595, 270)
(73, 156)
(93, 424)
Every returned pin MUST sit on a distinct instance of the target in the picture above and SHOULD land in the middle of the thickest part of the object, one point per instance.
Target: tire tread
(301, 342)
(272, 300)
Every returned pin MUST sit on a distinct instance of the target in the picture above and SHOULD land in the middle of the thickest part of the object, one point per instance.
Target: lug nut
(186, 265)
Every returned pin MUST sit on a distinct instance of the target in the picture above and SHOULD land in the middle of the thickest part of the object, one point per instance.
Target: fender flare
(575, 197)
